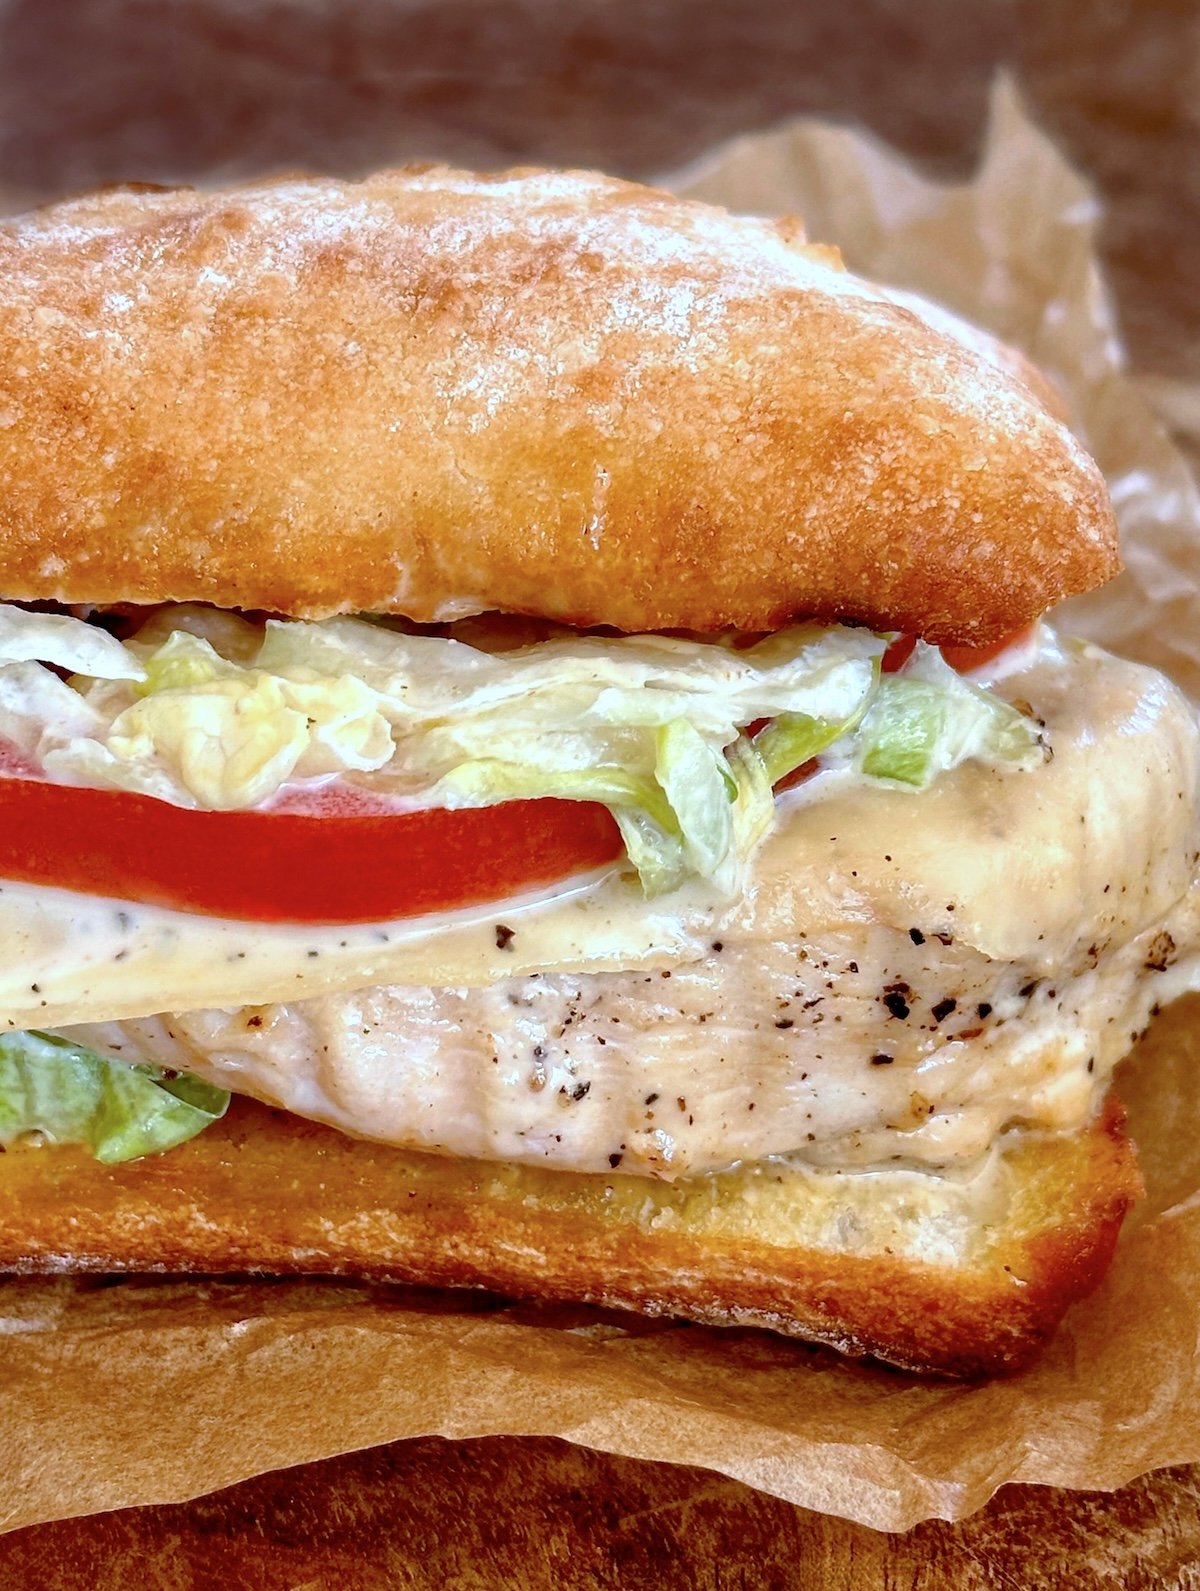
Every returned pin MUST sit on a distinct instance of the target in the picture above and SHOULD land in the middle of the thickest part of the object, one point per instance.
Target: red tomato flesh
(967, 658)
(336, 856)
(898, 653)
(962, 658)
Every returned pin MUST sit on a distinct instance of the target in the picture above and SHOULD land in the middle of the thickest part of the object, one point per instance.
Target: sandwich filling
(203, 710)
(951, 927)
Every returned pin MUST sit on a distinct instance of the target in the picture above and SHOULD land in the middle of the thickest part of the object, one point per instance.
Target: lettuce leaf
(117, 1111)
(927, 719)
(28, 637)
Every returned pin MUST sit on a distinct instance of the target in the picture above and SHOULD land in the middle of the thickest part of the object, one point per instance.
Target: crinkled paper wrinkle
(143, 1392)
(1013, 250)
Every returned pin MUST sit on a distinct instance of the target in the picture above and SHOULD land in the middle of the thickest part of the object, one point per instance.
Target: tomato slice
(340, 857)
(967, 658)
(898, 653)
(963, 658)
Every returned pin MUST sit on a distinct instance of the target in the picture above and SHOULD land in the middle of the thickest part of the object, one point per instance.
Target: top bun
(435, 393)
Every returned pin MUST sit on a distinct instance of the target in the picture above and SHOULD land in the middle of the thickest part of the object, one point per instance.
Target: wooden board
(539, 1515)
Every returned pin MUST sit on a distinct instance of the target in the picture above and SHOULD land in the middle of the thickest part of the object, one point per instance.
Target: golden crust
(547, 393)
(880, 1264)
(1011, 360)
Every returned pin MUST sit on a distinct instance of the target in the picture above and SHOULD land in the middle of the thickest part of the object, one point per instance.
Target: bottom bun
(963, 1276)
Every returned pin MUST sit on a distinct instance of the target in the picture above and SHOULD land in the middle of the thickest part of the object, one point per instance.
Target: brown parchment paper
(137, 1392)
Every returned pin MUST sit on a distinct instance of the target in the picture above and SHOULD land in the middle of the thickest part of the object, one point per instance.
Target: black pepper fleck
(504, 936)
(1162, 952)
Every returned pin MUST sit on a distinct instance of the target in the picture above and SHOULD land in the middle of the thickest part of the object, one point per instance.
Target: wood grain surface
(539, 1515)
(101, 90)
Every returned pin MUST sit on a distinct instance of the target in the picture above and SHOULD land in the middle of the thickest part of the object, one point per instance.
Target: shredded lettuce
(68, 643)
(119, 1112)
(754, 804)
(927, 719)
(794, 738)
(204, 709)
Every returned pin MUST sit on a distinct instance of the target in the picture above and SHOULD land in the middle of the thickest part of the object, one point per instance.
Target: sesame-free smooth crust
(925, 1272)
(434, 393)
